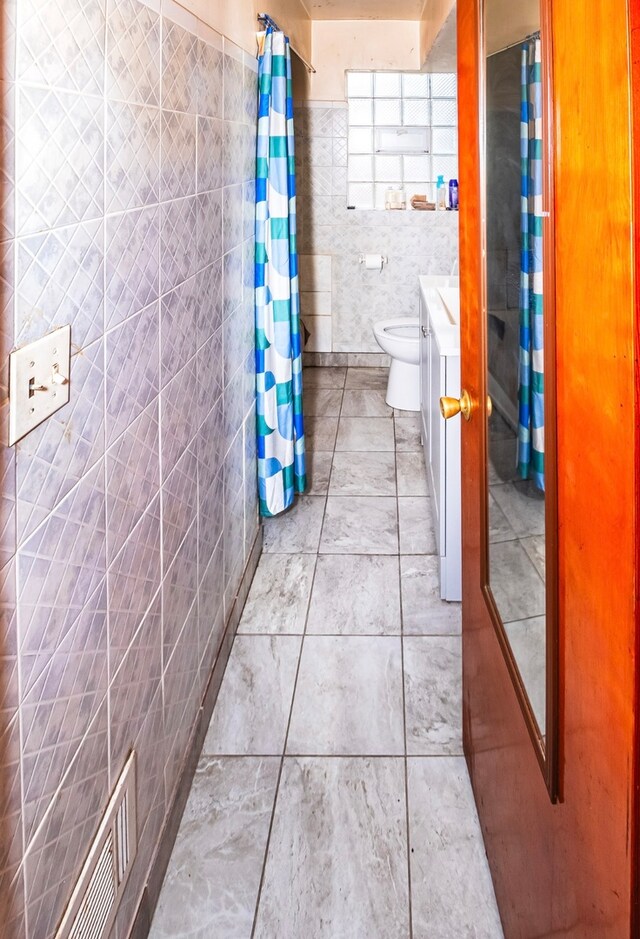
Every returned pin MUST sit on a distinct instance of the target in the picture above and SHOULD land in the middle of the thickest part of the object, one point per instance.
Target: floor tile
(212, 881)
(408, 434)
(535, 548)
(279, 595)
(515, 583)
(433, 695)
(318, 471)
(355, 594)
(373, 475)
(296, 531)
(365, 433)
(523, 506)
(360, 525)
(253, 706)
(367, 379)
(412, 474)
(348, 697)
(322, 402)
(320, 432)
(379, 671)
(499, 527)
(423, 612)
(337, 866)
(324, 377)
(365, 404)
(528, 642)
(499, 428)
(417, 534)
(451, 890)
(503, 461)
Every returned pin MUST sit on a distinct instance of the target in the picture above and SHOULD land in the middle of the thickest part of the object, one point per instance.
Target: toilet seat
(406, 329)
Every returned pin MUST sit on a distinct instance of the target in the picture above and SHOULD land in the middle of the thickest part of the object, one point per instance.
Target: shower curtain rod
(512, 45)
(267, 21)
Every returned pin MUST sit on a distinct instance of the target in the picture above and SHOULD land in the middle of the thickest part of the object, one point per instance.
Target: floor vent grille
(94, 902)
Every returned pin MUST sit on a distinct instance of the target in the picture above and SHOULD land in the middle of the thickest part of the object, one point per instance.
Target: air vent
(94, 902)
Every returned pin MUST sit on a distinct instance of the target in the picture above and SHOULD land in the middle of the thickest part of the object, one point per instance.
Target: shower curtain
(280, 426)
(531, 360)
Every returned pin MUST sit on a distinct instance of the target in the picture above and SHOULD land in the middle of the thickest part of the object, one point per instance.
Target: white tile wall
(332, 237)
(320, 330)
(316, 303)
(315, 272)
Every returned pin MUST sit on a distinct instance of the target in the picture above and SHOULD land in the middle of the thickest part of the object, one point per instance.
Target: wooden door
(564, 869)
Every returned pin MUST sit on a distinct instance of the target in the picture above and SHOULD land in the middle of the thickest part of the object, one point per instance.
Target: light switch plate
(39, 381)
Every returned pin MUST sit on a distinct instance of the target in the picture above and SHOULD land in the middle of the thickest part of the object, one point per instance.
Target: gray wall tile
(132, 262)
(210, 65)
(178, 163)
(132, 156)
(62, 45)
(121, 495)
(133, 52)
(59, 279)
(7, 159)
(179, 68)
(132, 369)
(59, 159)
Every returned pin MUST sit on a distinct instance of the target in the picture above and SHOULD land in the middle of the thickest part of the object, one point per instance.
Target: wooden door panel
(566, 869)
(635, 72)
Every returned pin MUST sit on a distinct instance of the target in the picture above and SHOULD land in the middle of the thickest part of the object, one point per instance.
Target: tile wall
(415, 243)
(126, 200)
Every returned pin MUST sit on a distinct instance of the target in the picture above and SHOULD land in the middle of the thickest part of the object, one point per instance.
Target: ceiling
(364, 9)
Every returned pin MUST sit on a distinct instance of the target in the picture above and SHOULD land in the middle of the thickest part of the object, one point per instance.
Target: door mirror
(520, 570)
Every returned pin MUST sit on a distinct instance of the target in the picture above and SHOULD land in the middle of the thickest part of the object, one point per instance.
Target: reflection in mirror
(514, 253)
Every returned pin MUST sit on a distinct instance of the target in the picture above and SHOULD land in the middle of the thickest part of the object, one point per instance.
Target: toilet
(400, 338)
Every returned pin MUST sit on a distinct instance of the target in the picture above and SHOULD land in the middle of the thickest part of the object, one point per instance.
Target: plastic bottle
(441, 195)
(453, 195)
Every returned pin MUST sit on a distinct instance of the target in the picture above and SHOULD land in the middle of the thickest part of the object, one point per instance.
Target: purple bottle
(453, 195)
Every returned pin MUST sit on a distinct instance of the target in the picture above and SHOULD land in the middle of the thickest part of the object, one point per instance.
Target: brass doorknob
(464, 405)
(449, 407)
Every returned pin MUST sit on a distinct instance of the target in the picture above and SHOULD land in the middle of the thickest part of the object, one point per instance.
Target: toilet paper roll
(374, 262)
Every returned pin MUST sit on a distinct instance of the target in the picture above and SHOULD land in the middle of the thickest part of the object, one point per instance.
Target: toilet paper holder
(374, 262)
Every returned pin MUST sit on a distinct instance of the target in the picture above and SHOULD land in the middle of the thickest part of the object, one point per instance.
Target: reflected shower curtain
(531, 373)
(280, 428)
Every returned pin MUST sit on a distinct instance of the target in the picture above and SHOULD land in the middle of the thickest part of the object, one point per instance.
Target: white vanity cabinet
(440, 375)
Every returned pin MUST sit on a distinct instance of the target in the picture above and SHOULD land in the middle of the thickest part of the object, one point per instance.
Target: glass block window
(402, 134)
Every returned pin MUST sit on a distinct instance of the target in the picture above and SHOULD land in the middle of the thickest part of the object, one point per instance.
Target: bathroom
(335, 641)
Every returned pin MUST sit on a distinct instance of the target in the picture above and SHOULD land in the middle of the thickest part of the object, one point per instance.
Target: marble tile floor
(517, 561)
(332, 798)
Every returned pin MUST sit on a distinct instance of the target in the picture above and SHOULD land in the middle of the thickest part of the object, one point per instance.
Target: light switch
(39, 381)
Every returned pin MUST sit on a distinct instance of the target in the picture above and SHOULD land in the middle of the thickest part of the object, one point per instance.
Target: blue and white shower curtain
(531, 367)
(280, 426)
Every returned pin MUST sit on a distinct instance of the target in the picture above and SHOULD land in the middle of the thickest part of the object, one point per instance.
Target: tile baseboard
(350, 359)
(149, 899)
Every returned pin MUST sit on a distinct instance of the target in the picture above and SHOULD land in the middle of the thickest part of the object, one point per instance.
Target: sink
(451, 299)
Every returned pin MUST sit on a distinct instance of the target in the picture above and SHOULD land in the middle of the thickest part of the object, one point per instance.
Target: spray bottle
(453, 195)
(441, 195)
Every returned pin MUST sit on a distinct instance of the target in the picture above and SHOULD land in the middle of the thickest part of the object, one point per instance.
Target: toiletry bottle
(441, 196)
(453, 195)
